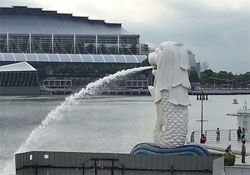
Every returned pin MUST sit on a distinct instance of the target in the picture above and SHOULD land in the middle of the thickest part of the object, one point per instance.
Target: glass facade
(41, 44)
(18, 79)
(3, 43)
(18, 43)
(71, 44)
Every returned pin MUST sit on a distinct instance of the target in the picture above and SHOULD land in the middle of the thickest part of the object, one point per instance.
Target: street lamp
(202, 97)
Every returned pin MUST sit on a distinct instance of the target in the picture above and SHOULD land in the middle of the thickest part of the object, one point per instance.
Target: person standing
(218, 135)
(203, 139)
(239, 134)
(243, 133)
(243, 151)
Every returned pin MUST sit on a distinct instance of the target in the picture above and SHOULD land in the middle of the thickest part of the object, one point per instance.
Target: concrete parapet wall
(72, 163)
(239, 170)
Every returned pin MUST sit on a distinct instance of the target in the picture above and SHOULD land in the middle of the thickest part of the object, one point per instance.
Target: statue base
(186, 150)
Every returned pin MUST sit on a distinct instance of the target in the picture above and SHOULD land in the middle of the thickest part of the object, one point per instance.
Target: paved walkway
(236, 149)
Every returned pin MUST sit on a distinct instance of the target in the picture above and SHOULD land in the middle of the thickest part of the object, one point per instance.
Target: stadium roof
(21, 19)
(74, 58)
(17, 67)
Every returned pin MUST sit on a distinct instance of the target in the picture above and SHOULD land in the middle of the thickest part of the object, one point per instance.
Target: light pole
(202, 97)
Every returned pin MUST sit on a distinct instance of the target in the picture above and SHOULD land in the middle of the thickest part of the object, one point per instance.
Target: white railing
(225, 135)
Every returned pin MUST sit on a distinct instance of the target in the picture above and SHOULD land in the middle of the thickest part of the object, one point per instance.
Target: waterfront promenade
(227, 137)
(219, 91)
(238, 168)
(144, 91)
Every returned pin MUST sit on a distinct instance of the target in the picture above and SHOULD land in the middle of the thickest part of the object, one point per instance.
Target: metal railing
(220, 91)
(225, 135)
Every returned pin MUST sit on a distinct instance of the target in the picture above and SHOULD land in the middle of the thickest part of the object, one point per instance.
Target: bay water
(97, 123)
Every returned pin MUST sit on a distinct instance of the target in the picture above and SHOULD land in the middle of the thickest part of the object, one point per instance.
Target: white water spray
(57, 113)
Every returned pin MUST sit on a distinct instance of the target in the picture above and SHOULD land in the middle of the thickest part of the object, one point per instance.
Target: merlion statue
(170, 94)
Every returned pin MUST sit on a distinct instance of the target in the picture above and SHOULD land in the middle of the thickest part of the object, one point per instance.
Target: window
(46, 156)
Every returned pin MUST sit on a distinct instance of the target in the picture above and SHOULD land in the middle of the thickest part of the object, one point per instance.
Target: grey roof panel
(88, 58)
(26, 11)
(77, 58)
(131, 59)
(20, 57)
(38, 21)
(43, 57)
(141, 58)
(8, 57)
(120, 59)
(1, 57)
(31, 57)
(54, 58)
(109, 58)
(64, 58)
(98, 58)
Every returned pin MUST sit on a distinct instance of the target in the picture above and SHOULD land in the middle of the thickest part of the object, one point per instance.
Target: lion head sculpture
(171, 61)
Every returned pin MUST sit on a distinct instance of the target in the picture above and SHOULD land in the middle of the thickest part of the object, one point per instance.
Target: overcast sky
(217, 31)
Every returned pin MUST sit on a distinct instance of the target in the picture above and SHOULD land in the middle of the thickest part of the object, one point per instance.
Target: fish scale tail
(171, 126)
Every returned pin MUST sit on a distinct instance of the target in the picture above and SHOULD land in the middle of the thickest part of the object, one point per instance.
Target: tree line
(221, 79)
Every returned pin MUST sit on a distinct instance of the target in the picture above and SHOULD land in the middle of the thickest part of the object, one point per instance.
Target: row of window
(18, 79)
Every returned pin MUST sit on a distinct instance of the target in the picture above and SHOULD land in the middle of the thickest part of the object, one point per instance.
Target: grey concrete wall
(239, 170)
(217, 164)
(70, 163)
(19, 90)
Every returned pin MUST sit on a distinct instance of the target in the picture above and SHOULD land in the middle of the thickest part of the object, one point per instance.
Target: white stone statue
(170, 94)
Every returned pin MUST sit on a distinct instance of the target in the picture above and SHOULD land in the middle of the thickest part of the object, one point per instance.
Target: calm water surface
(100, 123)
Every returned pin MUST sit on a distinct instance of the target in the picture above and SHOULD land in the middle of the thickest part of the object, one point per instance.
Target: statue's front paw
(154, 72)
(152, 91)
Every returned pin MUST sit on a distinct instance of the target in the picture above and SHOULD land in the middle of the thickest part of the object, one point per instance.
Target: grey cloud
(221, 37)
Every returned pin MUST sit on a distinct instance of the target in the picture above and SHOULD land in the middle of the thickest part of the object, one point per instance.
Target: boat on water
(235, 101)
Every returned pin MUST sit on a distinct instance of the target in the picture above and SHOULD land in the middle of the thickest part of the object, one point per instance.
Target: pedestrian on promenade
(203, 139)
(218, 135)
(239, 134)
(243, 151)
(243, 133)
(229, 149)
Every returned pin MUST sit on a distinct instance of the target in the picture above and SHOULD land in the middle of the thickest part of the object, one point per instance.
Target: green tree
(206, 77)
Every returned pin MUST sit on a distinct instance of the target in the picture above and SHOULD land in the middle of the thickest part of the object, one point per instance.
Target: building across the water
(43, 35)
(18, 78)
(194, 65)
(70, 50)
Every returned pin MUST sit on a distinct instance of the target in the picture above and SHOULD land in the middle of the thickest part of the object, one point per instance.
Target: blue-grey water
(97, 123)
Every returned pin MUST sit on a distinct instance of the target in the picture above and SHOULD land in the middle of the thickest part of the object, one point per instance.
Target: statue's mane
(172, 72)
